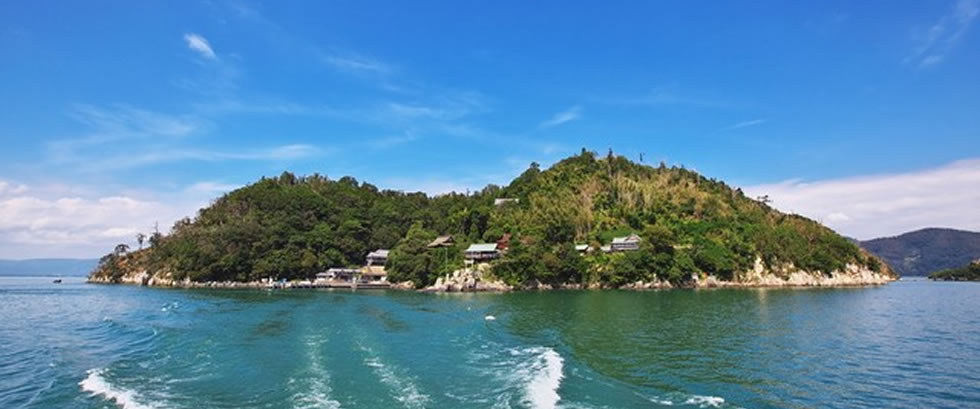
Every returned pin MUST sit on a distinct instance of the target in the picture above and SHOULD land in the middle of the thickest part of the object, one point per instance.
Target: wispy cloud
(357, 64)
(200, 45)
(388, 142)
(665, 96)
(940, 38)
(151, 157)
(568, 115)
(884, 205)
(744, 124)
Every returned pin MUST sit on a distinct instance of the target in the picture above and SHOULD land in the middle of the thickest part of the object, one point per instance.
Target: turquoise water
(74, 345)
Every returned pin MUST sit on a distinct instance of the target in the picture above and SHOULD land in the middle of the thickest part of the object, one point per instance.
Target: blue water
(75, 345)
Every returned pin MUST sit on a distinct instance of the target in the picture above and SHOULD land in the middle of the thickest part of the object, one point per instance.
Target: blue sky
(858, 114)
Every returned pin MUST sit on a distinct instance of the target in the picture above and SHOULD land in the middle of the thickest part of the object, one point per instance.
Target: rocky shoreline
(478, 279)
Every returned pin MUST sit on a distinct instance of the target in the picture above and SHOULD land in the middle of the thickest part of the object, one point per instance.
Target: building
(373, 275)
(442, 241)
(338, 274)
(582, 248)
(481, 253)
(377, 258)
(628, 243)
(505, 200)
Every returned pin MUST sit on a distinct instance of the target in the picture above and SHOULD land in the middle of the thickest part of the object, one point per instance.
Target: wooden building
(628, 243)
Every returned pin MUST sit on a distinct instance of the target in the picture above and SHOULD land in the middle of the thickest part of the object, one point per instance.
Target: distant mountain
(48, 267)
(921, 252)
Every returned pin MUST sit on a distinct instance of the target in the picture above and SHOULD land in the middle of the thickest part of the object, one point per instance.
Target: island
(970, 272)
(588, 221)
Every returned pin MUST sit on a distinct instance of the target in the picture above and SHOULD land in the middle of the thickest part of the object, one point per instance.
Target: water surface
(75, 345)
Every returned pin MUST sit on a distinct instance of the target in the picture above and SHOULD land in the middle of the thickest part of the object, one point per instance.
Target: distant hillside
(47, 267)
(921, 252)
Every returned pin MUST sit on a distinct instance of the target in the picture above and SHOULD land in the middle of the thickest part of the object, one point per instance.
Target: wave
(406, 391)
(545, 372)
(681, 399)
(97, 385)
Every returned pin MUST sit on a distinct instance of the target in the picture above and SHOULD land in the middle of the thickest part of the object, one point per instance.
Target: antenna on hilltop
(641, 157)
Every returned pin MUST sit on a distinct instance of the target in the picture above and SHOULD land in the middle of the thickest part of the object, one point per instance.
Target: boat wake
(544, 374)
(406, 391)
(531, 376)
(97, 385)
(313, 390)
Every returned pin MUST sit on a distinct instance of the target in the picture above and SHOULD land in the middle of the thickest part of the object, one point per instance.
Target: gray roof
(482, 247)
(628, 239)
(379, 253)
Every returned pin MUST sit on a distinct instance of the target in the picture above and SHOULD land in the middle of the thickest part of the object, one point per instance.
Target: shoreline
(497, 287)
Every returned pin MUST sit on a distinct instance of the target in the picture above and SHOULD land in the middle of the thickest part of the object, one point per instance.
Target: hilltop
(921, 252)
(692, 228)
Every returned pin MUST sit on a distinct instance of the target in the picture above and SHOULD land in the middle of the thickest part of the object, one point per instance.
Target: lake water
(911, 344)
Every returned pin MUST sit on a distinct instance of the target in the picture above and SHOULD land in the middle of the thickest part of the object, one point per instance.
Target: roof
(502, 200)
(581, 247)
(379, 253)
(482, 247)
(632, 238)
(442, 241)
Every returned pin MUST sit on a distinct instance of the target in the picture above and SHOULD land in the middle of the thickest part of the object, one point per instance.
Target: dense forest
(970, 272)
(293, 227)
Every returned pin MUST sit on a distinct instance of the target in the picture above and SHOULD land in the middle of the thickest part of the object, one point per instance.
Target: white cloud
(941, 37)
(11, 189)
(200, 45)
(568, 115)
(49, 223)
(745, 124)
(884, 205)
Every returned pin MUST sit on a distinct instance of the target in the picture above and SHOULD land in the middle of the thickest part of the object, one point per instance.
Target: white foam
(546, 375)
(315, 391)
(490, 318)
(705, 401)
(406, 391)
(681, 399)
(95, 384)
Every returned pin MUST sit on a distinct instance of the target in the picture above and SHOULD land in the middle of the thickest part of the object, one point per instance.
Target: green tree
(410, 260)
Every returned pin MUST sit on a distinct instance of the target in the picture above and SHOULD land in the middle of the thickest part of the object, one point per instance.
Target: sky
(121, 116)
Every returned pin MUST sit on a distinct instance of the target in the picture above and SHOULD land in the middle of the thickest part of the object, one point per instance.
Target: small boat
(57, 281)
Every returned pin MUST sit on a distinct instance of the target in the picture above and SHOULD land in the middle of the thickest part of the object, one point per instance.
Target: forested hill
(293, 227)
(921, 252)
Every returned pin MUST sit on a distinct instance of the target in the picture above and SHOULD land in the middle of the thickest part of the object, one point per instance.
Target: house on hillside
(628, 243)
(377, 258)
(582, 248)
(505, 200)
(481, 253)
(442, 241)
